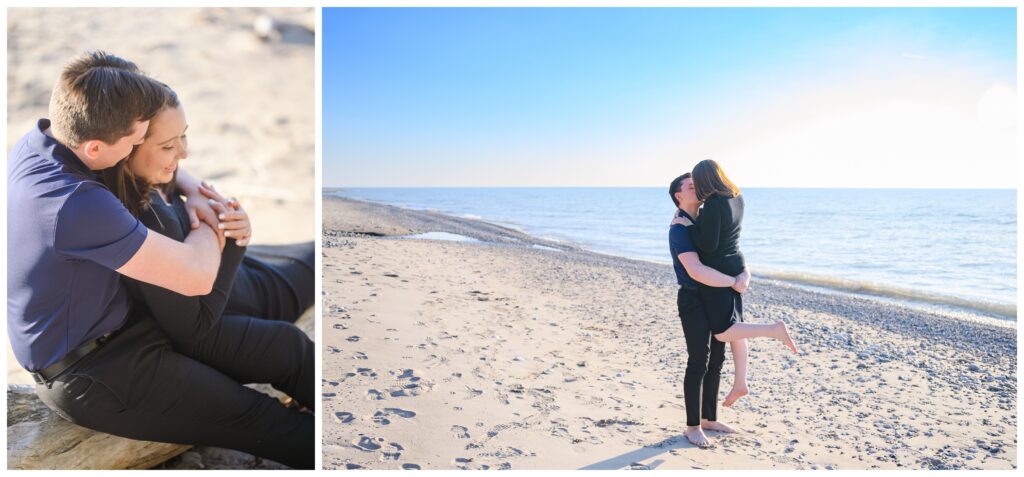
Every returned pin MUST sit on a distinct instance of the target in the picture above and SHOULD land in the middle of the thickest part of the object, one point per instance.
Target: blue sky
(786, 97)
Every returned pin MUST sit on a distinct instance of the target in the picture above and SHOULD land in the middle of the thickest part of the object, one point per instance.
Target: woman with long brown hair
(272, 282)
(716, 233)
(243, 329)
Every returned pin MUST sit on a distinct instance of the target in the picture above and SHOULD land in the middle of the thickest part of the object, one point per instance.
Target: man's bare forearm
(188, 268)
(712, 278)
(703, 273)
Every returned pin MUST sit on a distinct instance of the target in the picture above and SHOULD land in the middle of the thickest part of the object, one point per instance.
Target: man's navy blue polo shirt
(66, 236)
(679, 242)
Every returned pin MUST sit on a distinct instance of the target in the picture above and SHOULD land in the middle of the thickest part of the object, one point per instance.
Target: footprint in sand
(407, 374)
(353, 338)
(393, 454)
(410, 384)
(339, 326)
(460, 432)
(562, 432)
(333, 349)
(368, 444)
(374, 395)
(340, 380)
(410, 467)
(507, 452)
(380, 418)
(368, 372)
(359, 355)
(344, 417)
(434, 361)
(401, 412)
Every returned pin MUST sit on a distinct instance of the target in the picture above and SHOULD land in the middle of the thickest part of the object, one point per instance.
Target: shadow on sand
(631, 460)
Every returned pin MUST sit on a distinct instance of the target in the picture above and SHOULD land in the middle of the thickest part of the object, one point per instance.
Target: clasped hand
(226, 216)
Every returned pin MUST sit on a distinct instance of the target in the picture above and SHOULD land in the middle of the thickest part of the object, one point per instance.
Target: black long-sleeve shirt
(184, 318)
(716, 233)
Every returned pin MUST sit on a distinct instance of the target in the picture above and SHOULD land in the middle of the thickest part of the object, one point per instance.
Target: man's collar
(49, 146)
(683, 212)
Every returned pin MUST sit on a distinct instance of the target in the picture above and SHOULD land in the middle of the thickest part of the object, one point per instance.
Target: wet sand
(514, 352)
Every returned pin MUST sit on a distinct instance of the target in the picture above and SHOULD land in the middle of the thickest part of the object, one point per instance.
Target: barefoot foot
(715, 426)
(734, 395)
(783, 335)
(696, 436)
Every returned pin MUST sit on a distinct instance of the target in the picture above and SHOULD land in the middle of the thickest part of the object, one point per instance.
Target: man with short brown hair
(100, 96)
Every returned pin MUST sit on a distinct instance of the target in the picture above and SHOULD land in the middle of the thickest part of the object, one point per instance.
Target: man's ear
(92, 149)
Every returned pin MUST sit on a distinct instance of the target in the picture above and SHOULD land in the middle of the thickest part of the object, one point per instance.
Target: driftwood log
(37, 438)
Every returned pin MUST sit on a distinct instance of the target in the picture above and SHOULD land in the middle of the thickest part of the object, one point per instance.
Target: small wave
(445, 236)
(545, 247)
(1004, 309)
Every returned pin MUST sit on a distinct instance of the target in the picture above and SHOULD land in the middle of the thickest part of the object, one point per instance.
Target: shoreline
(952, 305)
(543, 359)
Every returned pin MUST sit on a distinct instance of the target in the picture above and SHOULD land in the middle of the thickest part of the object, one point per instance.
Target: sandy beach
(513, 352)
(249, 100)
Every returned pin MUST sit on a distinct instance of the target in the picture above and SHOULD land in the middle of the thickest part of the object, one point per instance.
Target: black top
(716, 233)
(183, 317)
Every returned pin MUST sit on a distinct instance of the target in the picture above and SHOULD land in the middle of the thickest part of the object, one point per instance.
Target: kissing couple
(712, 277)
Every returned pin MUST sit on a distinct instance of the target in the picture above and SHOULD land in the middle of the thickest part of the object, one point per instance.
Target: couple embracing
(712, 276)
(138, 313)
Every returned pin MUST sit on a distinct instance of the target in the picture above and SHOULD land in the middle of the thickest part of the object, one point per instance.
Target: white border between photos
(3, 222)
(318, 196)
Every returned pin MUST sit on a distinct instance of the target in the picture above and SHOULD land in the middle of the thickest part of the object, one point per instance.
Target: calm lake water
(945, 246)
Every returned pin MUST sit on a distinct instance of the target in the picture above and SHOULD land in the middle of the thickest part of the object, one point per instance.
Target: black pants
(705, 356)
(255, 337)
(138, 386)
(275, 282)
(254, 350)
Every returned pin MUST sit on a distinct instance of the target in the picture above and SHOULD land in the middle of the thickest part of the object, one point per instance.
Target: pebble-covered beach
(509, 351)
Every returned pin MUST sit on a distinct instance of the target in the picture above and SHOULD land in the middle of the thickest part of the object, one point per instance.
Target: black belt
(47, 374)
